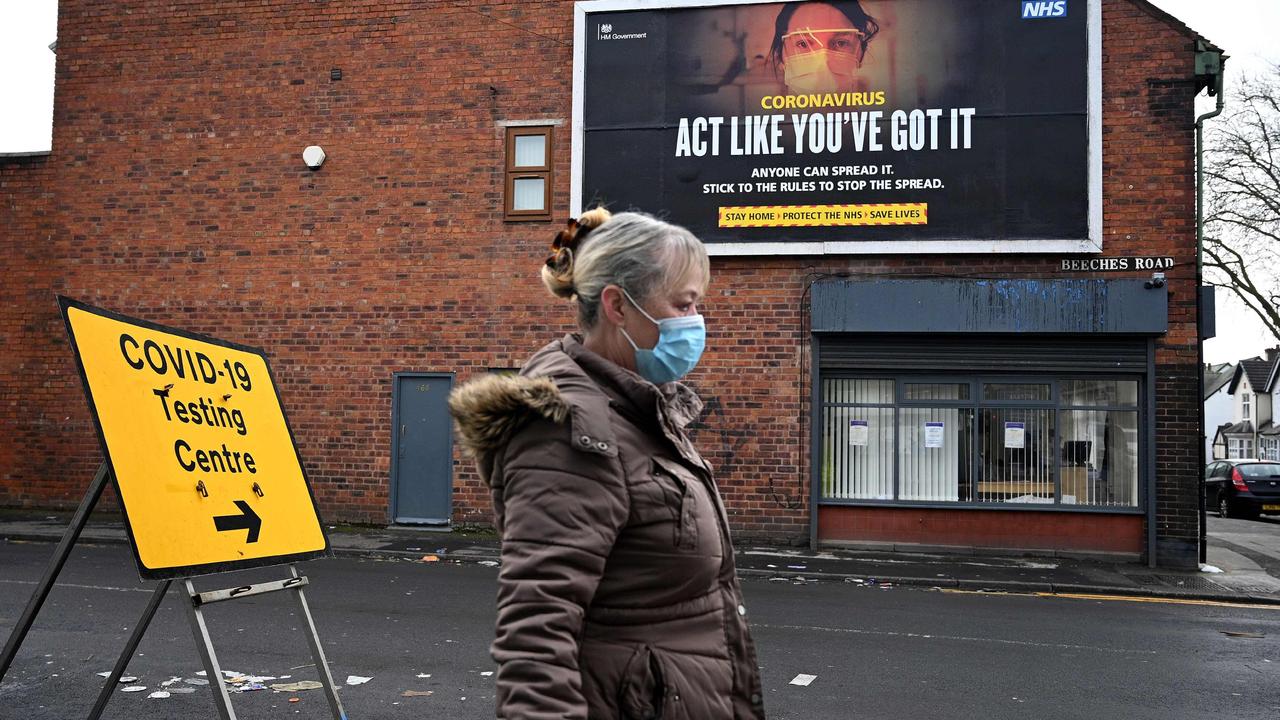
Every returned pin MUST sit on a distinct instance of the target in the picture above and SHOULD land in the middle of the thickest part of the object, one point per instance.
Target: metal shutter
(983, 353)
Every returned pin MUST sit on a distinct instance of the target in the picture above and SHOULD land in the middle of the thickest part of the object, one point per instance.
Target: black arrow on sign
(246, 520)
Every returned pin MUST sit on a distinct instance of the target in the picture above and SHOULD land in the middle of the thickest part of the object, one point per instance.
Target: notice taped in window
(858, 433)
(934, 432)
(1015, 435)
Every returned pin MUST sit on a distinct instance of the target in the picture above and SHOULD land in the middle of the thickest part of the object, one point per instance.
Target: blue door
(422, 450)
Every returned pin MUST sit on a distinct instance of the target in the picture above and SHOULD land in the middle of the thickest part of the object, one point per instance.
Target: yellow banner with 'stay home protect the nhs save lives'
(824, 215)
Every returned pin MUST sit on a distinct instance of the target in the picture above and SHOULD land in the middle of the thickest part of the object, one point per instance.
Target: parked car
(1243, 487)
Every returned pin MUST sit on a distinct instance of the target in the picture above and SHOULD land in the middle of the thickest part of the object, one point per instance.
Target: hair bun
(557, 271)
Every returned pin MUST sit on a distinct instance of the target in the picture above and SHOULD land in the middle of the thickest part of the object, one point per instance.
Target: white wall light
(313, 156)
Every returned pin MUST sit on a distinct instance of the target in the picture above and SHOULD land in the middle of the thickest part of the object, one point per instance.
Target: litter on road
(297, 686)
(416, 693)
(803, 680)
(357, 680)
(134, 688)
(158, 695)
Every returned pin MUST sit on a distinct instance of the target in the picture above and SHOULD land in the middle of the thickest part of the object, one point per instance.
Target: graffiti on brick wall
(714, 437)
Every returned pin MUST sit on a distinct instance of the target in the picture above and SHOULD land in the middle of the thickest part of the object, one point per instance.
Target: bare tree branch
(1242, 216)
(1242, 285)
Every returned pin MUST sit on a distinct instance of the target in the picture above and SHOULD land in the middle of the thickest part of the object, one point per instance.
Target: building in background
(1252, 432)
(1218, 406)
(993, 345)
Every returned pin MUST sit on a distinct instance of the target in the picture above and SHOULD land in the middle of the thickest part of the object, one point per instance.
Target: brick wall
(178, 195)
(32, 393)
(1000, 529)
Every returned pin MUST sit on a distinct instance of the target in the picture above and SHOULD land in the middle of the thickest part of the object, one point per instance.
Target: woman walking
(618, 596)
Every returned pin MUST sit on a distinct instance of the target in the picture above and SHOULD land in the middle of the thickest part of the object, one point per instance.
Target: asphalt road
(877, 653)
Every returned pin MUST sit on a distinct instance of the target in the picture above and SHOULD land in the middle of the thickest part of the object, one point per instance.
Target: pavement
(1243, 560)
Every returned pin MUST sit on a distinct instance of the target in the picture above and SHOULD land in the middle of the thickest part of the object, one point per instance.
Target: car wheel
(1224, 506)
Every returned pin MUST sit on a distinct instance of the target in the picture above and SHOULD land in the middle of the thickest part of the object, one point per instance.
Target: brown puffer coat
(617, 596)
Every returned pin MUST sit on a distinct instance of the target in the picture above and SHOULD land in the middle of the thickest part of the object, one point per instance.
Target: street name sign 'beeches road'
(198, 444)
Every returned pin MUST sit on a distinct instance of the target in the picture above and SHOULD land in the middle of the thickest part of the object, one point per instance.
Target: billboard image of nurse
(820, 46)
(869, 123)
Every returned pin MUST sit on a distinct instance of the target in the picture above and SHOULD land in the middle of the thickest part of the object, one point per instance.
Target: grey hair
(635, 251)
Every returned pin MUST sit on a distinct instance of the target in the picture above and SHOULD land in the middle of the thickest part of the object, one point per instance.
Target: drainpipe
(1210, 64)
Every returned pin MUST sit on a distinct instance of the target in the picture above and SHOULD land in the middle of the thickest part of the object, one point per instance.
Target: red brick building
(175, 192)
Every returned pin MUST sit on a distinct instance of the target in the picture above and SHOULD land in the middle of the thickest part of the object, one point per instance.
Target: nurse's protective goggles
(846, 40)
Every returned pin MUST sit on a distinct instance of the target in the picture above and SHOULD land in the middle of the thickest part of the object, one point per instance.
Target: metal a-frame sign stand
(90, 326)
(194, 606)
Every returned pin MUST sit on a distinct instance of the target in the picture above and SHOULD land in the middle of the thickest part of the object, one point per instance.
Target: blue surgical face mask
(680, 343)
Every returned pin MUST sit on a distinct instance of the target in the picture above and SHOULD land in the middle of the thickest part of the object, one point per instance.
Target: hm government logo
(604, 31)
(1043, 9)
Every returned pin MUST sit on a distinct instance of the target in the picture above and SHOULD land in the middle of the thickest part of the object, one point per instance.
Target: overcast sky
(1245, 29)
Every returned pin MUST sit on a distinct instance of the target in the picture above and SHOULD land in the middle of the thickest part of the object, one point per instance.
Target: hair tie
(564, 245)
(571, 236)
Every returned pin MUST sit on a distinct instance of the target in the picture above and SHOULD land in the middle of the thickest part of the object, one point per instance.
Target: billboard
(845, 127)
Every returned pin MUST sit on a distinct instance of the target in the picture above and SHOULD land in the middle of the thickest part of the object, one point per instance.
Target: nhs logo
(1041, 9)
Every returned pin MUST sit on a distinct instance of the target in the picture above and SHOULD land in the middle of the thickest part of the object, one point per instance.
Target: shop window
(935, 453)
(858, 439)
(935, 391)
(1099, 442)
(1017, 455)
(1058, 442)
(1016, 391)
(1099, 392)
(528, 173)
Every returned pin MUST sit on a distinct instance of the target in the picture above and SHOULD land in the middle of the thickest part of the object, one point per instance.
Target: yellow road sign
(198, 444)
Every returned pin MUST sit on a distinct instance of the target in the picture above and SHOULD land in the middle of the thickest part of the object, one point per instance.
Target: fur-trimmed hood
(568, 385)
(490, 408)
(553, 386)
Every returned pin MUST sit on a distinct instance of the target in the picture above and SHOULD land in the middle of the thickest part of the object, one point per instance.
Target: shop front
(1010, 414)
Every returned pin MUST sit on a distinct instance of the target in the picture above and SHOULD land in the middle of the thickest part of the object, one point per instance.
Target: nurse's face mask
(821, 60)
